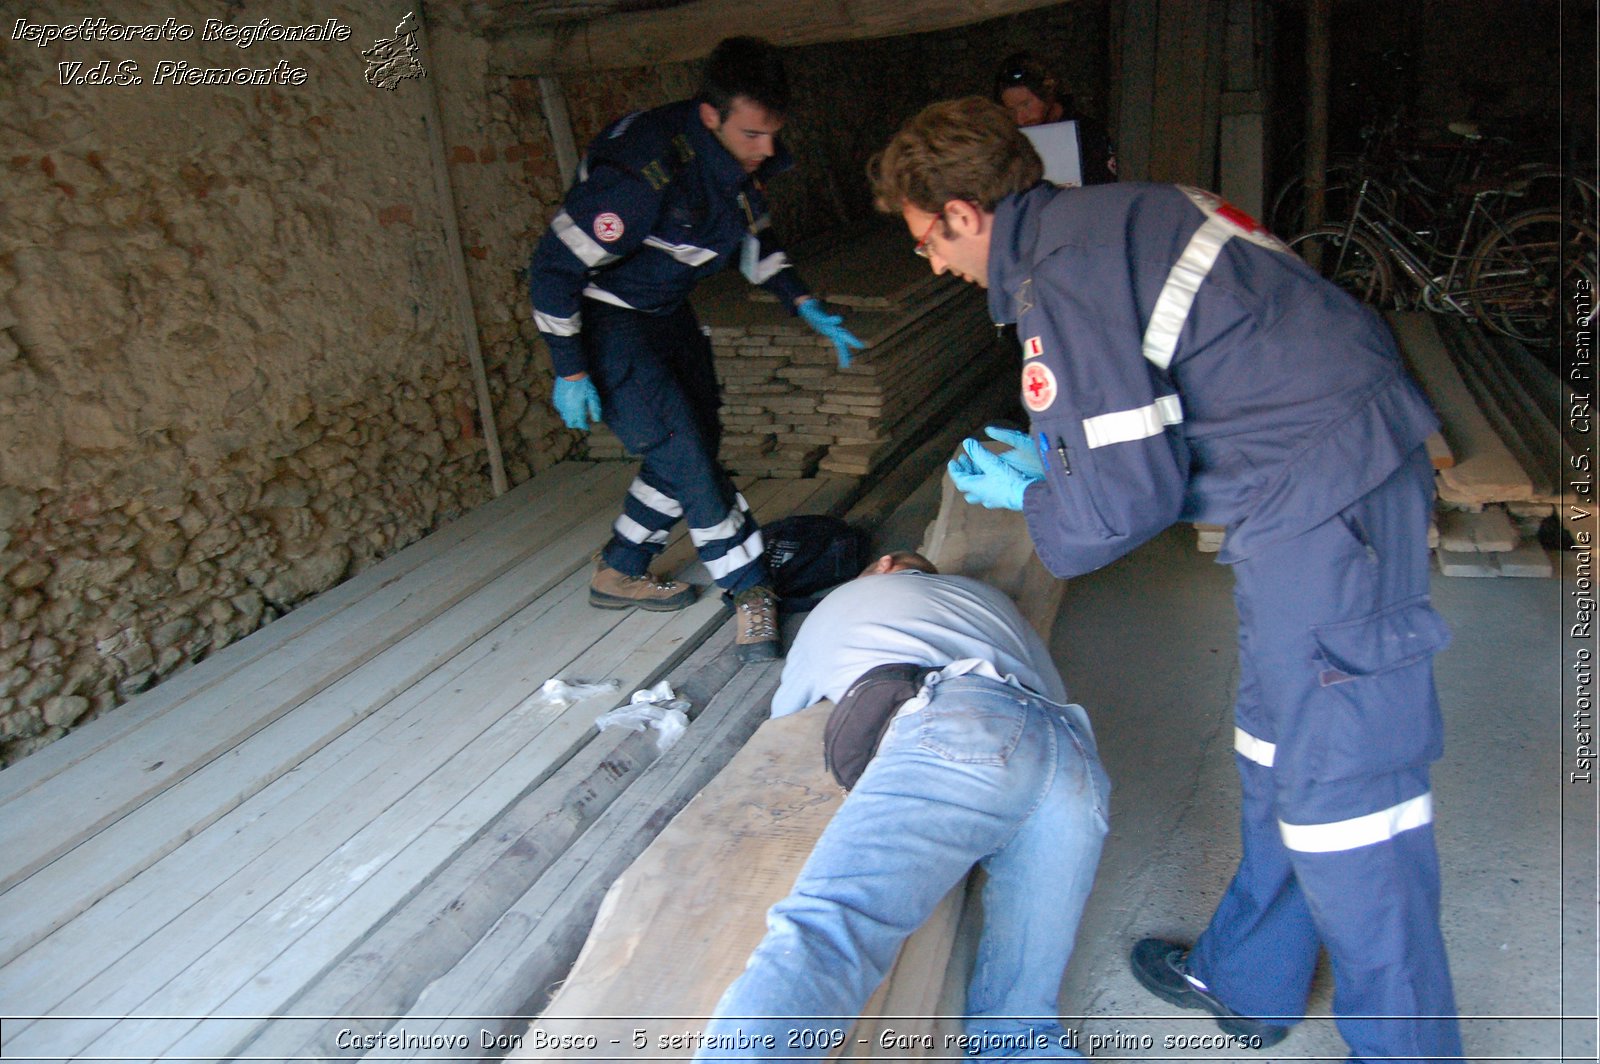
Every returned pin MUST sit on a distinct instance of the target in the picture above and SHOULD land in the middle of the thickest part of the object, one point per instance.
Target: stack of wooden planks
(1502, 478)
(365, 809)
(789, 410)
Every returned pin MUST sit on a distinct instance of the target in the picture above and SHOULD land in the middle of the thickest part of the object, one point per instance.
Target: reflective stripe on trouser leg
(731, 549)
(1376, 902)
(1260, 949)
(641, 531)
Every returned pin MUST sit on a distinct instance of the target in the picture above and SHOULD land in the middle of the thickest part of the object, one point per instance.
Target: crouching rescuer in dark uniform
(663, 198)
(1180, 364)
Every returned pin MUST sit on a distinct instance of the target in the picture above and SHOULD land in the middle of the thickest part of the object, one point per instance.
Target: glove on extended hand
(1024, 454)
(577, 402)
(988, 479)
(831, 326)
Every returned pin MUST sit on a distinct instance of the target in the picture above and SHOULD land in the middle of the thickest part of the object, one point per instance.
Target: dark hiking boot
(610, 589)
(1162, 968)
(756, 615)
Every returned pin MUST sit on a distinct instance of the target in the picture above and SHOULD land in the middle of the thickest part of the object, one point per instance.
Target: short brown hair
(967, 149)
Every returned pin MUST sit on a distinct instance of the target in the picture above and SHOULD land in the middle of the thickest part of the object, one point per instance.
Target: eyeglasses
(1014, 74)
(927, 234)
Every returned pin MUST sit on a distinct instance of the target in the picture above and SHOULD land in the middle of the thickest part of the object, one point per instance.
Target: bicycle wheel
(1288, 211)
(1524, 279)
(1352, 260)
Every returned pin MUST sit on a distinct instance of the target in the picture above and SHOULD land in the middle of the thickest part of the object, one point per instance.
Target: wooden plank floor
(282, 824)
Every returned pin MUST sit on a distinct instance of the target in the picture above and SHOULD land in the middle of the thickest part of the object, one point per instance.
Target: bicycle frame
(1440, 292)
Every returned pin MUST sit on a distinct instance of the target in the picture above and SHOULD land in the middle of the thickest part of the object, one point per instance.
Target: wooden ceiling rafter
(536, 37)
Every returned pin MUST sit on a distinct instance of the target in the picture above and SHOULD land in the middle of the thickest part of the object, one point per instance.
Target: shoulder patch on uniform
(1024, 297)
(1214, 206)
(608, 227)
(1038, 386)
(1033, 348)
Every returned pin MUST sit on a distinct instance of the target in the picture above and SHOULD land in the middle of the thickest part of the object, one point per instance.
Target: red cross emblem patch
(1242, 224)
(608, 227)
(1038, 386)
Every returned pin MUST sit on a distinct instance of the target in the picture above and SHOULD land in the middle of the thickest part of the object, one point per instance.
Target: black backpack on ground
(809, 554)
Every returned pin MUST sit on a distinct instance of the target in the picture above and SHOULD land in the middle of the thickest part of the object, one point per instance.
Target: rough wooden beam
(1484, 470)
(688, 32)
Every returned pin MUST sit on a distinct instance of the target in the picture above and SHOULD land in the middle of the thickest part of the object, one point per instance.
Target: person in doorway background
(662, 199)
(1034, 97)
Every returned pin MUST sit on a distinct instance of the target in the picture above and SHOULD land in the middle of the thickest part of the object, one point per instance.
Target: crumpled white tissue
(655, 707)
(559, 693)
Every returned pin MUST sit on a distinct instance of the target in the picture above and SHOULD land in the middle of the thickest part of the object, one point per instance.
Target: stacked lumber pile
(789, 410)
(1501, 478)
(676, 928)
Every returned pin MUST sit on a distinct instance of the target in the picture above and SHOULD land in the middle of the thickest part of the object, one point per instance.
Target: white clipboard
(1057, 145)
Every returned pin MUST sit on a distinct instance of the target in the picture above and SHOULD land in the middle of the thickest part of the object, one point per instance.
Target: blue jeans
(984, 774)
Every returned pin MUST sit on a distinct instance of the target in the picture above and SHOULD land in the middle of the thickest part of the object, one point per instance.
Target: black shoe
(1162, 968)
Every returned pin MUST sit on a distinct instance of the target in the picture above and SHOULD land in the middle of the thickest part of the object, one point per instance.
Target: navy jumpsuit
(659, 203)
(1179, 364)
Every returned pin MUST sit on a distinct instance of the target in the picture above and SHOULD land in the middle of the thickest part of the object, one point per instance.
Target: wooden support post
(433, 120)
(1139, 18)
(1318, 15)
(555, 115)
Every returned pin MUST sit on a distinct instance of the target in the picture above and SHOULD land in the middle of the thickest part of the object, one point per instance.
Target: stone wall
(232, 370)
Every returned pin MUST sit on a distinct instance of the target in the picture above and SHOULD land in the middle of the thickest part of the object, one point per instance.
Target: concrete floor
(1147, 645)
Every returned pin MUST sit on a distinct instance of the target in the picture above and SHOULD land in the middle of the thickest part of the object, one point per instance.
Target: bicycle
(1519, 278)
(1426, 182)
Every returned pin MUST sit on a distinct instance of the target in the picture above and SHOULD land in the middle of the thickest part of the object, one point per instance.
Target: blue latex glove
(831, 326)
(987, 479)
(577, 402)
(1024, 453)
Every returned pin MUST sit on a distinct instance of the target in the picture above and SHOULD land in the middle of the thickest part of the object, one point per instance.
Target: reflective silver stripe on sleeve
(688, 254)
(736, 558)
(1359, 831)
(634, 532)
(606, 297)
(1125, 426)
(581, 244)
(658, 501)
(1183, 283)
(769, 267)
(549, 323)
(1250, 748)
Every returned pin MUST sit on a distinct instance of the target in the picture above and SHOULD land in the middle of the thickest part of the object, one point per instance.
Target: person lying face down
(983, 764)
(901, 609)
